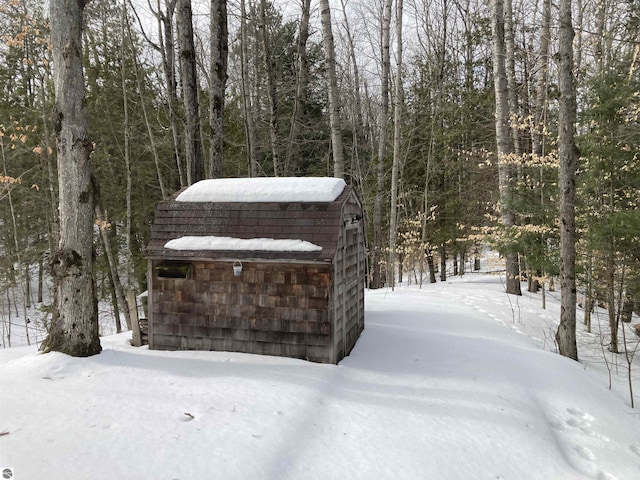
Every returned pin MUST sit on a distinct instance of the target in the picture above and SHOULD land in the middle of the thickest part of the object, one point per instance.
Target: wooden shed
(269, 266)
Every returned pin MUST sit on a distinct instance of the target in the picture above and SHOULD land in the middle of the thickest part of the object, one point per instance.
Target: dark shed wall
(349, 270)
(272, 308)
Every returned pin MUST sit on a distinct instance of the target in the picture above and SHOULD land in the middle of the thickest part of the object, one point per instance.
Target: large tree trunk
(219, 43)
(187, 51)
(567, 155)
(74, 327)
(504, 144)
(333, 92)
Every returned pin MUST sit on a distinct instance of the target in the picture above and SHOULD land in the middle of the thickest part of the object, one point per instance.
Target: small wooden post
(136, 337)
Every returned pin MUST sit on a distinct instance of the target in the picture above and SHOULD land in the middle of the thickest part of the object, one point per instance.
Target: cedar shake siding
(302, 304)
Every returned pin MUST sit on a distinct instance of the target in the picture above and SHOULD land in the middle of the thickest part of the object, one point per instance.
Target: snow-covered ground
(451, 381)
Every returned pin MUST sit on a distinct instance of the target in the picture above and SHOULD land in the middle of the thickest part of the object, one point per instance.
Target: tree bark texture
(510, 66)
(74, 327)
(302, 80)
(333, 92)
(567, 155)
(504, 143)
(188, 75)
(383, 119)
(272, 91)
(397, 120)
(358, 127)
(542, 80)
(219, 44)
(118, 291)
(168, 62)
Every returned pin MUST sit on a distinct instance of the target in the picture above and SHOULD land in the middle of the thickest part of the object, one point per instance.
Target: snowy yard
(454, 381)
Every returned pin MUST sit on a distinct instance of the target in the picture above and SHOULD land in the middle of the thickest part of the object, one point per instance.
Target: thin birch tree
(397, 121)
(332, 91)
(247, 100)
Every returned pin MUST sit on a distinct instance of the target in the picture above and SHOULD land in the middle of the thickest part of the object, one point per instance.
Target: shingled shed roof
(262, 218)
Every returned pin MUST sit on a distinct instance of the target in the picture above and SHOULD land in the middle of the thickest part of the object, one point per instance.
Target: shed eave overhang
(266, 257)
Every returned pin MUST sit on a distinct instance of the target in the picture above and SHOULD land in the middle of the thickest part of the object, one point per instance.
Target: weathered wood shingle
(315, 222)
(299, 304)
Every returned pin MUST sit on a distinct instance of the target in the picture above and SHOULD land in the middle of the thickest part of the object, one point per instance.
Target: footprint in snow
(585, 453)
(579, 413)
(557, 425)
(606, 476)
(582, 421)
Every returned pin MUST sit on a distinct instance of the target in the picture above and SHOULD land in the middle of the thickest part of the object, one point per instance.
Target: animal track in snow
(606, 476)
(576, 412)
(585, 453)
(582, 421)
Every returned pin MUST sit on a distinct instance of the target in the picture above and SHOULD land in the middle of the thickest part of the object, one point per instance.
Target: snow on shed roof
(279, 189)
(241, 244)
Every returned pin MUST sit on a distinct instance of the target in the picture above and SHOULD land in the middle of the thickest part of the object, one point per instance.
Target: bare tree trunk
(127, 135)
(601, 13)
(611, 300)
(567, 155)
(504, 144)
(187, 53)
(579, 32)
(510, 66)
(74, 327)
(588, 294)
(358, 123)
(25, 281)
(396, 146)
(103, 226)
(333, 92)
(219, 43)
(165, 30)
(247, 104)
(376, 270)
(126, 27)
(40, 279)
(272, 91)
(542, 69)
(291, 161)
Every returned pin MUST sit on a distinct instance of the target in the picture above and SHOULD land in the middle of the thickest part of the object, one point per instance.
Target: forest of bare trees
(462, 125)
